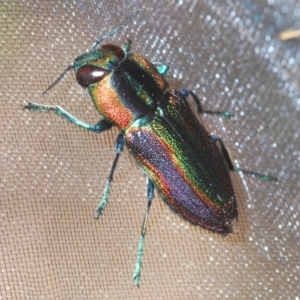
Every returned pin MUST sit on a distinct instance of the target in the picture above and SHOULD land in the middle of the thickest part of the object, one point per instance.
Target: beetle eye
(88, 75)
(118, 51)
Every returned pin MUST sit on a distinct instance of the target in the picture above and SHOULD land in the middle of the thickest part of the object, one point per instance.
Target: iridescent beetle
(188, 167)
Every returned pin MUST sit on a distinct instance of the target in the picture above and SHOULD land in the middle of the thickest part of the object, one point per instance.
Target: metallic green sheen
(185, 163)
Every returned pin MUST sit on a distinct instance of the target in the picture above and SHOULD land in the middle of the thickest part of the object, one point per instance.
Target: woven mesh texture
(52, 173)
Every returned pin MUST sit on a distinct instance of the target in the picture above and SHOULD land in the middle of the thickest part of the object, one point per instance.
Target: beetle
(188, 167)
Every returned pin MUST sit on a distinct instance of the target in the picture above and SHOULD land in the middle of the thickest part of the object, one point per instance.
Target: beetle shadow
(242, 228)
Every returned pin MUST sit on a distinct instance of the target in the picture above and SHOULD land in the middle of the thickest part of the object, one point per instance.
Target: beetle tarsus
(261, 176)
(228, 158)
(225, 114)
(98, 127)
(104, 200)
(139, 261)
(38, 107)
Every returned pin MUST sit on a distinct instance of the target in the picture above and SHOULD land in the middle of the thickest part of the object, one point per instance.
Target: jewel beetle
(188, 167)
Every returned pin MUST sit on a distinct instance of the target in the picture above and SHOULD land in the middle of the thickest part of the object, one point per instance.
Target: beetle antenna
(57, 80)
(96, 43)
(113, 31)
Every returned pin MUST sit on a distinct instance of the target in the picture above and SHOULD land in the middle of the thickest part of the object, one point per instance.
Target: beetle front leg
(119, 148)
(225, 114)
(100, 126)
(126, 46)
(139, 261)
(232, 167)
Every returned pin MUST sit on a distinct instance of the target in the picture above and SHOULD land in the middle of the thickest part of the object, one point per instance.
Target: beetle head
(93, 66)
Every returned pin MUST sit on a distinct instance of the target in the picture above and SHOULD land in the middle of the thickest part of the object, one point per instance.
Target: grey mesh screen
(53, 174)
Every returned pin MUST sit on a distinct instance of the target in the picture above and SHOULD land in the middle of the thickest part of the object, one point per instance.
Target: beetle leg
(139, 261)
(233, 168)
(119, 148)
(161, 68)
(126, 46)
(100, 126)
(225, 114)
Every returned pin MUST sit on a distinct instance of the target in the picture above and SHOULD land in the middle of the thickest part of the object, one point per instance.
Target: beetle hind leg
(232, 167)
(139, 261)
